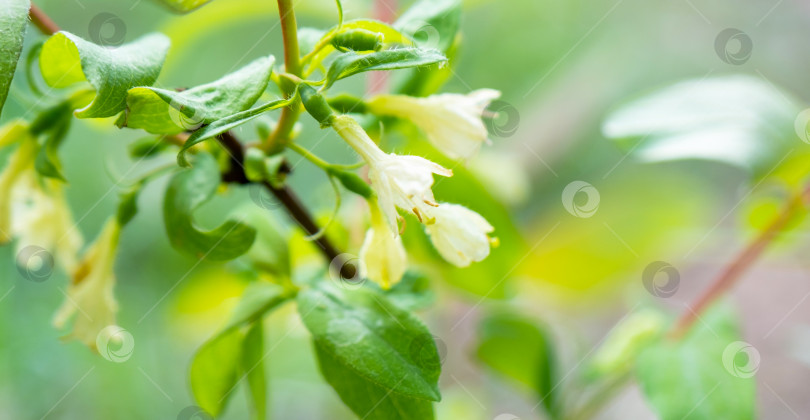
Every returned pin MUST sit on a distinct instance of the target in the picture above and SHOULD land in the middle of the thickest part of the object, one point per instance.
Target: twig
(740, 264)
(286, 197)
(44, 23)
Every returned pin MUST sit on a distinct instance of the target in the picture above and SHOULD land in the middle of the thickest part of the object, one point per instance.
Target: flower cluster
(34, 212)
(453, 124)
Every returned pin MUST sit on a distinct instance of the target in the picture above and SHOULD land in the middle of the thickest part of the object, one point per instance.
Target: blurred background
(562, 66)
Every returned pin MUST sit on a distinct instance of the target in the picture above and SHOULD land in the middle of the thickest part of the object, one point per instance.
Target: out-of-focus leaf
(215, 371)
(364, 397)
(161, 111)
(518, 349)
(351, 63)
(13, 20)
(259, 298)
(375, 339)
(183, 6)
(53, 124)
(269, 251)
(739, 120)
(701, 376)
(66, 59)
(621, 348)
(432, 23)
(188, 190)
(253, 368)
(220, 126)
(216, 367)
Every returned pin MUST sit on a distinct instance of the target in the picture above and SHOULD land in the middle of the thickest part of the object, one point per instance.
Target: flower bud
(358, 40)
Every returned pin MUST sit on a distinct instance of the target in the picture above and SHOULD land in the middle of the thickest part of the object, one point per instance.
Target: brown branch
(740, 264)
(287, 198)
(45, 24)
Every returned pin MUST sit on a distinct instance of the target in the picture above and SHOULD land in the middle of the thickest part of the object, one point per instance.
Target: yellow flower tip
(495, 241)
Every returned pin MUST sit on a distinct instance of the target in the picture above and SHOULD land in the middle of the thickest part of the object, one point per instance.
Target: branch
(44, 23)
(740, 264)
(287, 198)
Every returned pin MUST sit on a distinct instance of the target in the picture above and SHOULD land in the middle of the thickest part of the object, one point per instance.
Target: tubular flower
(459, 234)
(35, 210)
(398, 181)
(452, 122)
(382, 256)
(91, 289)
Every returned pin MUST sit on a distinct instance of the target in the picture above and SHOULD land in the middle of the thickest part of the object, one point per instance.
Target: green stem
(310, 156)
(280, 137)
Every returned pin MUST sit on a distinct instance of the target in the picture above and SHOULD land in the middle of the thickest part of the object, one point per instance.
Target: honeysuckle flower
(382, 256)
(459, 234)
(41, 217)
(34, 210)
(398, 181)
(452, 122)
(20, 161)
(91, 289)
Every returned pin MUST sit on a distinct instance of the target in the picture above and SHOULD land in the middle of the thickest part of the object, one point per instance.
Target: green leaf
(214, 371)
(253, 368)
(184, 6)
(518, 349)
(161, 111)
(13, 20)
(364, 397)
(66, 59)
(54, 123)
(220, 126)
(694, 378)
(188, 190)
(432, 23)
(269, 252)
(351, 63)
(622, 346)
(216, 365)
(739, 120)
(375, 339)
(411, 293)
(258, 298)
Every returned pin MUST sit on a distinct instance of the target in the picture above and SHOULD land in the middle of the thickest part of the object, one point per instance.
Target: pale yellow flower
(90, 298)
(452, 122)
(398, 181)
(382, 256)
(459, 234)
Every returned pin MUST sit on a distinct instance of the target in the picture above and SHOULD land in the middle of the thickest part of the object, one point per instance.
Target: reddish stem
(44, 23)
(740, 264)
